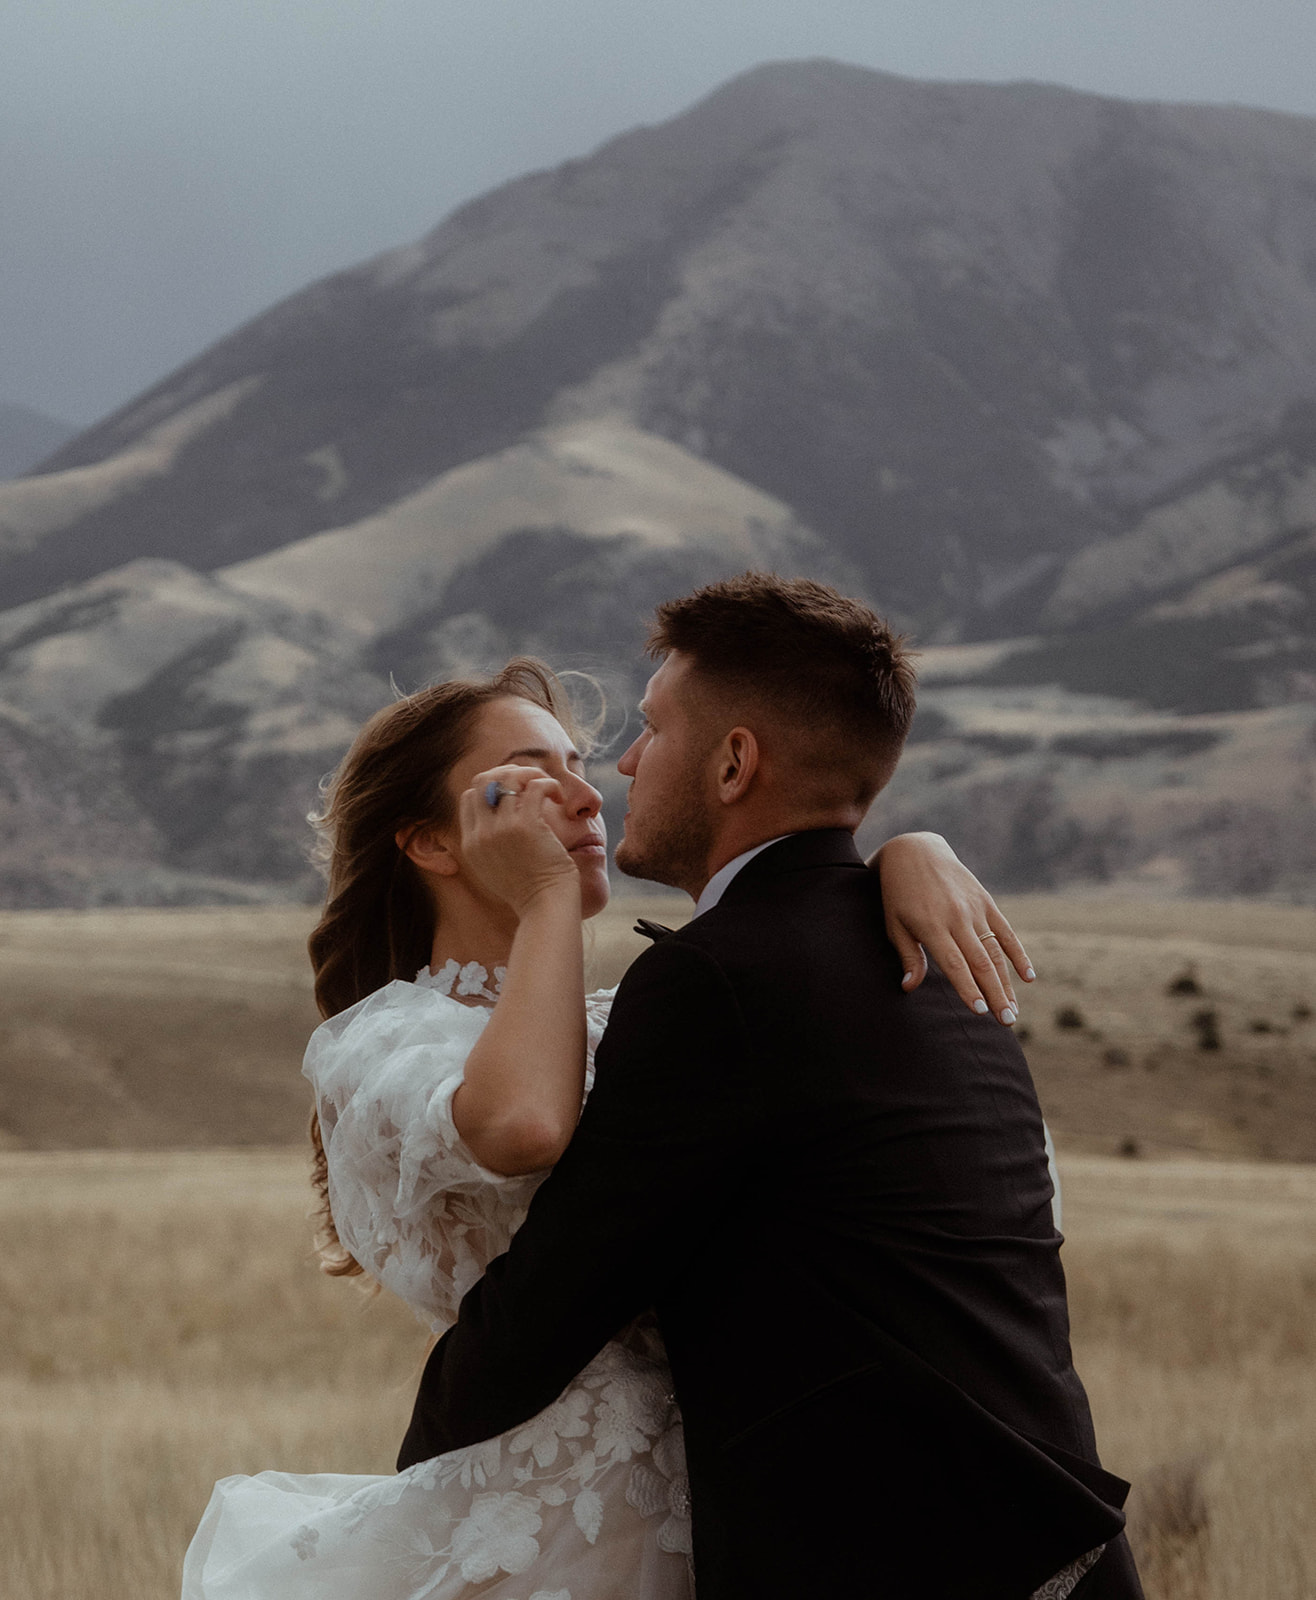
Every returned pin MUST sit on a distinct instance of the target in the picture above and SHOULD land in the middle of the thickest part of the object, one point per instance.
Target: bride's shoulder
(391, 1024)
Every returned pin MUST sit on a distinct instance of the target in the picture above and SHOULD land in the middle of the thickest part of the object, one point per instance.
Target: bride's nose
(583, 799)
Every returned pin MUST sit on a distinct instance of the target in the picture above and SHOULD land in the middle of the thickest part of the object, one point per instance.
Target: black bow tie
(652, 930)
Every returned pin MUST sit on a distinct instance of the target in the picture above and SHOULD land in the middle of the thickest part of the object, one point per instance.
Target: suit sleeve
(660, 1148)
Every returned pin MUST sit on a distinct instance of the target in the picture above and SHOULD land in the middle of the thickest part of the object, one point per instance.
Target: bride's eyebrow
(541, 754)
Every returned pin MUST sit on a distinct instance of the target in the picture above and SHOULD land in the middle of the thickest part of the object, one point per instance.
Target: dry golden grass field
(164, 1324)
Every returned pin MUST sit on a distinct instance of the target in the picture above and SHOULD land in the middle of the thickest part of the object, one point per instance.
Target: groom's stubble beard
(677, 842)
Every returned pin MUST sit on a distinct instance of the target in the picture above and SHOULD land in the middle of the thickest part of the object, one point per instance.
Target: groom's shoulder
(826, 916)
(682, 955)
(807, 901)
(679, 984)
(815, 903)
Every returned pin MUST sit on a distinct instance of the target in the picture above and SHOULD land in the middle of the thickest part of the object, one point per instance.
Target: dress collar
(455, 980)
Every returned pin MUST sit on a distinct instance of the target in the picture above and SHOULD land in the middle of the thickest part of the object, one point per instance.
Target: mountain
(963, 331)
(210, 703)
(27, 437)
(1035, 370)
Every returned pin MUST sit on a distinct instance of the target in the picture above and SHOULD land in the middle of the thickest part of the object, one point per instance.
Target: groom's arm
(661, 1142)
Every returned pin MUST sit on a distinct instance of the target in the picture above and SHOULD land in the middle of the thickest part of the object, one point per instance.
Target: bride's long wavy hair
(379, 919)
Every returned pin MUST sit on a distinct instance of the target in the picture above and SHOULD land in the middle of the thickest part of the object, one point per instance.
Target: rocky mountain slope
(1023, 365)
(963, 331)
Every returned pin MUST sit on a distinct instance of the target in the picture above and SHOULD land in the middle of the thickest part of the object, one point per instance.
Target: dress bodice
(409, 1200)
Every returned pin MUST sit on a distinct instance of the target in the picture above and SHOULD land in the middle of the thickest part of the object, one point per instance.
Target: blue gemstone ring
(494, 792)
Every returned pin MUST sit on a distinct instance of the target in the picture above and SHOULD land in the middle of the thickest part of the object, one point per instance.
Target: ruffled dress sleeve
(409, 1200)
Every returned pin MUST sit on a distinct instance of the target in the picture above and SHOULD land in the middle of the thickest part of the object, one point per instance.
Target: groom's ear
(425, 849)
(738, 761)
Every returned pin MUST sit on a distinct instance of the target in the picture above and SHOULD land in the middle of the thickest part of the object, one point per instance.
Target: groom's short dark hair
(814, 661)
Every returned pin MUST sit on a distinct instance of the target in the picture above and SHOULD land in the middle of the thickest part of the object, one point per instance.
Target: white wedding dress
(588, 1500)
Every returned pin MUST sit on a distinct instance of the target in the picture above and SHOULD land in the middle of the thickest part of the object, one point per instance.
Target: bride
(465, 847)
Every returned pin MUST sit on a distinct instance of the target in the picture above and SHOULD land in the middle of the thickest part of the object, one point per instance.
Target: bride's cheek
(595, 889)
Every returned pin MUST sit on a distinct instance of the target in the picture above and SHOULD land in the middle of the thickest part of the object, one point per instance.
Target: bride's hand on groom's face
(936, 907)
(511, 846)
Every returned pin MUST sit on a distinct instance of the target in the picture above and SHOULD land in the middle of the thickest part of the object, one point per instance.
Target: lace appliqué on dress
(455, 979)
(1064, 1583)
(610, 1447)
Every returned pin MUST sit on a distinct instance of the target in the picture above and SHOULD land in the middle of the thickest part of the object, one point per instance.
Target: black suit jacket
(836, 1197)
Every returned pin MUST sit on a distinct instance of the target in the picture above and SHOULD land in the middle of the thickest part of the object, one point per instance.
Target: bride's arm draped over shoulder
(521, 1098)
(935, 906)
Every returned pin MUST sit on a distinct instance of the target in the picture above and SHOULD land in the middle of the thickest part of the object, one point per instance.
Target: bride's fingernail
(981, 1007)
(908, 978)
(1029, 974)
(1008, 1016)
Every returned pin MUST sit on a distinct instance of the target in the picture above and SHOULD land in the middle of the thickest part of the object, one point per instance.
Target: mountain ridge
(1024, 366)
(750, 220)
(28, 437)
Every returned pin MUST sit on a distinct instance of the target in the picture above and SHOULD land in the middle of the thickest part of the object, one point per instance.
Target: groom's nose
(626, 766)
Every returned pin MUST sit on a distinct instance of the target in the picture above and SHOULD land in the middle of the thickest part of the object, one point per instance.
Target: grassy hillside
(1155, 1027)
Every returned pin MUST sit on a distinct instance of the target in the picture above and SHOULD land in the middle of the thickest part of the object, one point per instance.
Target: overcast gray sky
(169, 168)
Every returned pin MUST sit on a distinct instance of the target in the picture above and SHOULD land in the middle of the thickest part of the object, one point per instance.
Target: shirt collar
(717, 885)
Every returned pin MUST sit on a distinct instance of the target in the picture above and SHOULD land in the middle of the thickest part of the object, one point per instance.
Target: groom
(835, 1194)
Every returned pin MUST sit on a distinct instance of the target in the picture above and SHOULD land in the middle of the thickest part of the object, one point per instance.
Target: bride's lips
(589, 847)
